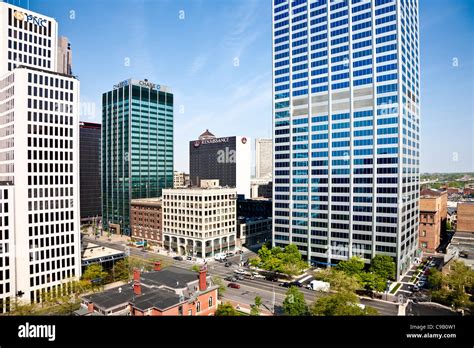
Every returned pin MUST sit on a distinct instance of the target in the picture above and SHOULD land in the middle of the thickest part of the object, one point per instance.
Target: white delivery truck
(318, 285)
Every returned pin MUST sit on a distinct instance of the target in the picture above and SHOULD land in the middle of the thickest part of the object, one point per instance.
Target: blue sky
(216, 56)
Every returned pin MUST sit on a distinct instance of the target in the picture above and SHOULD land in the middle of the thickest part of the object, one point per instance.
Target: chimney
(136, 275)
(137, 289)
(90, 307)
(157, 266)
(202, 279)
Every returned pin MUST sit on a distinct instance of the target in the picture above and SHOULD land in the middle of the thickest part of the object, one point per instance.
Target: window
(210, 301)
(190, 312)
(198, 307)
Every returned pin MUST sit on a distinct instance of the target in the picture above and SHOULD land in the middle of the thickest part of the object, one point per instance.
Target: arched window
(198, 307)
(210, 301)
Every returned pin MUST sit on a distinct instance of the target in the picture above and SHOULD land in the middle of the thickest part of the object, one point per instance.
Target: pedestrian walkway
(245, 308)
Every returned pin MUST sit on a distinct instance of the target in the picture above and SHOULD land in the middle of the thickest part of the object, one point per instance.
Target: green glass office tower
(137, 148)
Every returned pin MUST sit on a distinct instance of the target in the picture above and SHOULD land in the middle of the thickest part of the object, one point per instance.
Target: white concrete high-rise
(39, 157)
(346, 120)
(263, 158)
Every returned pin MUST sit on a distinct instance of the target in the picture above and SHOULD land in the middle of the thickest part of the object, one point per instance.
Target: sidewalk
(245, 308)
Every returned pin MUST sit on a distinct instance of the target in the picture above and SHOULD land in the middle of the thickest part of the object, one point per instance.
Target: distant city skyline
(217, 58)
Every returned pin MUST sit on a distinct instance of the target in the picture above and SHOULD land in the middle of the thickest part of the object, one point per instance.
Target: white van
(318, 285)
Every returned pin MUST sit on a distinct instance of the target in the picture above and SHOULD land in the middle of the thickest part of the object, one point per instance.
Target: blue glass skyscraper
(346, 87)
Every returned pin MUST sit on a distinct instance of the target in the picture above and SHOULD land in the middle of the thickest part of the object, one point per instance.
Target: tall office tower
(27, 39)
(91, 202)
(137, 148)
(226, 159)
(39, 155)
(64, 56)
(263, 158)
(346, 128)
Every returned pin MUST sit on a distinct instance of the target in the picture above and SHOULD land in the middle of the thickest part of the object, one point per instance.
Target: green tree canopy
(294, 303)
(341, 303)
(226, 309)
(221, 286)
(288, 260)
(338, 280)
(94, 271)
(384, 266)
(353, 266)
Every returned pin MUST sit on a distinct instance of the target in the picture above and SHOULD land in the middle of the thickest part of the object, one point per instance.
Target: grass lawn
(394, 290)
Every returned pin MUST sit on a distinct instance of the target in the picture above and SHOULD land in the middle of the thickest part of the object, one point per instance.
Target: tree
(121, 271)
(353, 266)
(455, 288)
(288, 260)
(384, 266)
(256, 307)
(338, 280)
(94, 271)
(255, 261)
(341, 303)
(294, 303)
(435, 279)
(372, 282)
(226, 309)
(221, 286)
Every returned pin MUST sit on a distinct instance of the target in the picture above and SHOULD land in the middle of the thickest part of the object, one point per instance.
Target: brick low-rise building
(465, 217)
(167, 292)
(147, 219)
(433, 217)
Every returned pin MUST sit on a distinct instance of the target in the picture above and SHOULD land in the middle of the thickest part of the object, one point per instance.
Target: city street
(249, 289)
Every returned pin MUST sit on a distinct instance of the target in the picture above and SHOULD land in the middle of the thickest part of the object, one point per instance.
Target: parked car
(230, 254)
(258, 276)
(189, 258)
(421, 283)
(271, 278)
(178, 258)
(415, 288)
(240, 277)
(285, 284)
(240, 252)
(230, 279)
(240, 271)
(234, 285)
(249, 276)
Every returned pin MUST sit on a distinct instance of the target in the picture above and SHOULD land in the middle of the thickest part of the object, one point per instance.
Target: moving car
(234, 285)
(258, 276)
(285, 284)
(230, 279)
(178, 258)
(189, 258)
(240, 271)
(230, 253)
(240, 277)
(228, 264)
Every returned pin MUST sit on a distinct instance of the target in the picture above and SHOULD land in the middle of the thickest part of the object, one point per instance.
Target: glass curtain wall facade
(137, 148)
(346, 89)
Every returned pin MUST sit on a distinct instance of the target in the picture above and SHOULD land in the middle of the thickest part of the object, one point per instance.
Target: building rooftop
(113, 297)
(431, 193)
(93, 253)
(153, 201)
(158, 298)
(206, 135)
(172, 277)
